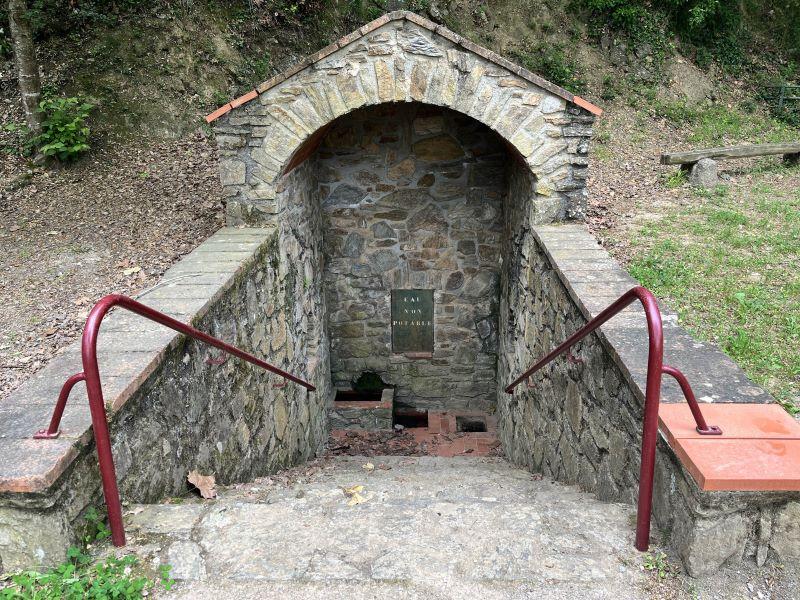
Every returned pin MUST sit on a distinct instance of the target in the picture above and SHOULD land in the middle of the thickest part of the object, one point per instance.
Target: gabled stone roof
(422, 22)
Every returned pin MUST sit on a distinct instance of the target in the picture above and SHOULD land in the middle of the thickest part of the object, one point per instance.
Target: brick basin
(363, 414)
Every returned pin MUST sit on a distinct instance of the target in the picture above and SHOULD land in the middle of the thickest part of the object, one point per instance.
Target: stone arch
(402, 57)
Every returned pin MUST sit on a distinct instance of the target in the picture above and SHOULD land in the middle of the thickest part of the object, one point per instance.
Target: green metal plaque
(412, 321)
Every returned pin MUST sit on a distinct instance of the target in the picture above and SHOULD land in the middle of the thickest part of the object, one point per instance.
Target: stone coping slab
(386, 400)
(760, 446)
(594, 280)
(130, 348)
(758, 451)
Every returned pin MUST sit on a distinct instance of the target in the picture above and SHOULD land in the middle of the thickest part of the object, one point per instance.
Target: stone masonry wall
(412, 197)
(236, 421)
(579, 423)
(399, 60)
(198, 409)
(581, 420)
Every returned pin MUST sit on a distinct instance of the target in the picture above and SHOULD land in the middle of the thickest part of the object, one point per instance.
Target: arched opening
(412, 200)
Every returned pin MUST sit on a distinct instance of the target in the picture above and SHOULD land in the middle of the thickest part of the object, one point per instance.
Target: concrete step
(425, 524)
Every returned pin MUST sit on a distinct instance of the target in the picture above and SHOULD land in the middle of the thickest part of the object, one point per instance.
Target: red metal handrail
(91, 375)
(655, 367)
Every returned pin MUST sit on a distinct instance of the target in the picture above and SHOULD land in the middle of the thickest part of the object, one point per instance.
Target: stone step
(381, 590)
(425, 521)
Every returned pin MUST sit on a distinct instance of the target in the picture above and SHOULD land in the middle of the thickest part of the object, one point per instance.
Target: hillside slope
(147, 191)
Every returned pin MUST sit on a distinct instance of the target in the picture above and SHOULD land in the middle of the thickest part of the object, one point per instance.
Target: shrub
(553, 63)
(713, 29)
(676, 111)
(65, 134)
(611, 88)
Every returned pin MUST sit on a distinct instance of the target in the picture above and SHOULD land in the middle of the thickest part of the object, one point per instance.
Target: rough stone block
(785, 540)
(703, 173)
(232, 172)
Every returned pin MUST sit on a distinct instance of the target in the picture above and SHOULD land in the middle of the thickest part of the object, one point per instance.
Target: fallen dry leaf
(204, 483)
(368, 467)
(354, 495)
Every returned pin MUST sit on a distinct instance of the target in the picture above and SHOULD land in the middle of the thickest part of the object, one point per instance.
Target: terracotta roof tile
(271, 82)
(218, 113)
(245, 98)
(324, 53)
(373, 25)
(448, 35)
(595, 110)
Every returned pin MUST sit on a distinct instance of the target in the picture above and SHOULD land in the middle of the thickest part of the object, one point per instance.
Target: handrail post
(701, 426)
(655, 367)
(97, 407)
(52, 430)
(655, 359)
(94, 389)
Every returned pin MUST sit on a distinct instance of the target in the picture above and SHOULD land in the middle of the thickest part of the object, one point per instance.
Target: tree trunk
(27, 66)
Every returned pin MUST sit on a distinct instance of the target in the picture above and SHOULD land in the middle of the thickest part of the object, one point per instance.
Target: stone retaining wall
(581, 421)
(177, 405)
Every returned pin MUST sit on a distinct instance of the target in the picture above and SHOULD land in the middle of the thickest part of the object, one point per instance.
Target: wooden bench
(702, 165)
(790, 151)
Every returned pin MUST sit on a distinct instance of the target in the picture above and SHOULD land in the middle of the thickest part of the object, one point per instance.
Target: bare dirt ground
(111, 223)
(627, 184)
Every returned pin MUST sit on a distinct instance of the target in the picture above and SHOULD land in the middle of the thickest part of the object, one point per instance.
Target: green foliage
(254, 71)
(611, 88)
(81, 578)
(366, 10)
(780, 20)
(658, 271)
(713, 28)
(720, 125)
(707, 23)
(78, 579)
(730, 266)
(95, 527)
(676, 111)
(552, 62)
(56, 17)
(642, 25)
(772, 89)
(65, 134)
(294, 12)
(676, 179)
(656, 562)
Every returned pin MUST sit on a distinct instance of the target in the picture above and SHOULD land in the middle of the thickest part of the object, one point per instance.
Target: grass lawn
(730, 265)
